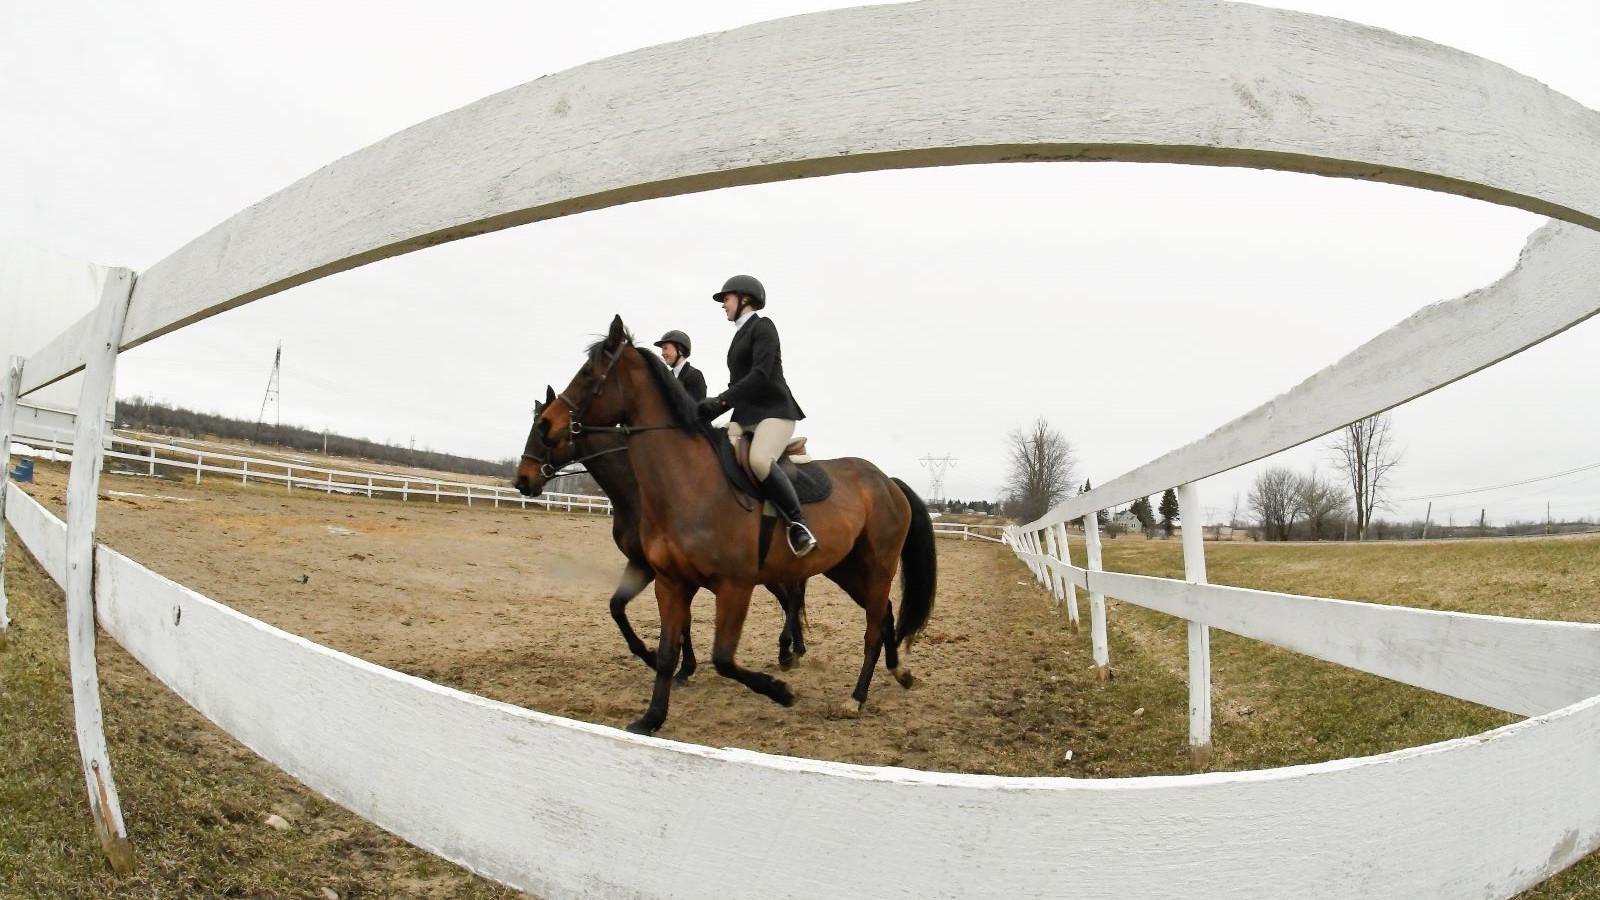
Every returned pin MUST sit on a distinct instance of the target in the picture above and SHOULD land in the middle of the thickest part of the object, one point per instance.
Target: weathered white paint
(1070, 588)
(43, 534)
(83, 483)
(559, 808)
(1194, 572)
(1551, 289)
(1524, 666)
(1194, 82)
(1098, 642)
(1056, 593)
(10, 381)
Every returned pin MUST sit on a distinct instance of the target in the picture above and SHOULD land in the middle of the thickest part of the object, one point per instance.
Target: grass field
(196, 800)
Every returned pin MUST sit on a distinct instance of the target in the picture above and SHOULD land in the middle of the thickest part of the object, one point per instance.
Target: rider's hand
(711, 407)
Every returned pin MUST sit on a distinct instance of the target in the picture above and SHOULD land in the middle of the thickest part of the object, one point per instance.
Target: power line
(1496, 487)
(937, 466)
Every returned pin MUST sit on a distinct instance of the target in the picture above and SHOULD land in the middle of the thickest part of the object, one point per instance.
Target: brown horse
(604, 453)
(697, 531)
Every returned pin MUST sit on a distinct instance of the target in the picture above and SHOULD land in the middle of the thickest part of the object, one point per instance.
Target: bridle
(576, 428)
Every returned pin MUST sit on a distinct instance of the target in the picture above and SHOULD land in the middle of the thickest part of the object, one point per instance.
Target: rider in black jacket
(675, 353)
(760, 399)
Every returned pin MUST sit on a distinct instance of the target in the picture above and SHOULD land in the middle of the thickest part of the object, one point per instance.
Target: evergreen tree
(1169, 511)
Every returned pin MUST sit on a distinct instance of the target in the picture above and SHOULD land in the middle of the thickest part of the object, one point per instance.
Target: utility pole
(1481, 518)
(324, 440)
(937, 466)
(1547, 517)
(1426, 516)
(271, 395)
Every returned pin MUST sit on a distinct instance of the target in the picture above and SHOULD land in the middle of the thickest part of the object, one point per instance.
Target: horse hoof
(903, 675)
(787, 663)
(683, 679)
(643, 726)
(782, 694)
(850, 709)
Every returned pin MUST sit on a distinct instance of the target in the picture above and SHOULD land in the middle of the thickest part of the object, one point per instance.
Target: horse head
(590, 399)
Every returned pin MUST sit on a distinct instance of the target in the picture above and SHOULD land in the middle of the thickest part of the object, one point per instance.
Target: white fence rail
(545, 804)
(150, 457)
(967, 532)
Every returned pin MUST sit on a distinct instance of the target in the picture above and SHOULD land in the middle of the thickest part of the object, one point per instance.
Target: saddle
(811, 482)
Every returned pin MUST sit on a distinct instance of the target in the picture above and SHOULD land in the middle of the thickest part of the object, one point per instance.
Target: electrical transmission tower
(937, 466)
(271, 395)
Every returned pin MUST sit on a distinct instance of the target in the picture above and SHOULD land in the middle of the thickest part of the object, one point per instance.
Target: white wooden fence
(150, 457)
(992, 533)
(569, 809)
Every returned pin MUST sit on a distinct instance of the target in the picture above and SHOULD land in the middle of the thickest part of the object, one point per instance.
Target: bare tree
(1322, 501)
(1275, 499)
(1364, 451)
(1041, 470)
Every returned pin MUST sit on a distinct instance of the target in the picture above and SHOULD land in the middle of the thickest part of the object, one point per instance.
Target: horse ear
(549, 395)
(619, 333)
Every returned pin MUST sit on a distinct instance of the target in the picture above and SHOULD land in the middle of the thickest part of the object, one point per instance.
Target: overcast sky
(1136, 307)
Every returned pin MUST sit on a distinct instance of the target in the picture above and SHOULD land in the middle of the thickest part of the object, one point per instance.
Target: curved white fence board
(925, 84)
(567, 809)
(1523, 666)
(42, 533)
(1555, 285)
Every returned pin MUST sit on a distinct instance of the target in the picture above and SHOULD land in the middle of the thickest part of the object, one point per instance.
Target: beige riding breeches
(767, 444)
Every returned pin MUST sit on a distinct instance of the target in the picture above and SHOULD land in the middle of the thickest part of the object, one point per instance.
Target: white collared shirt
(740, 322)
(677, 370)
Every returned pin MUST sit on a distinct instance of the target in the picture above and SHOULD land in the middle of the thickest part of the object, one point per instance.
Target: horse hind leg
(733, 602)
(792, 640)
(689, 664)
(891, 653)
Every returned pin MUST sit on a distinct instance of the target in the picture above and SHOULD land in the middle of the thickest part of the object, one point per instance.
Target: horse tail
(919, 570)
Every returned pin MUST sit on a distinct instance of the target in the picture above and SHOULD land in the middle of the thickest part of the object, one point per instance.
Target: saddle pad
(811, 481)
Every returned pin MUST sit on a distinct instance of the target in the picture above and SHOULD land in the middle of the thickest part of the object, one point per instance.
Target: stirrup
(810, 543)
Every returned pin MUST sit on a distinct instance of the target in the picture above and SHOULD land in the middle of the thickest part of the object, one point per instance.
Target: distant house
(1127, 521)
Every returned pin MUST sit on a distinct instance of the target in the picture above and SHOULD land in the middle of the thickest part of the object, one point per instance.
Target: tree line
(175, 421)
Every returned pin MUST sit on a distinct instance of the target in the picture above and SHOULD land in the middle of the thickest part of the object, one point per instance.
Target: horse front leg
(636, 577)
(672, 598)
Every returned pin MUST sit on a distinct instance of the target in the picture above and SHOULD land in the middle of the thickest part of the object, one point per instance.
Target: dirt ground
(513, 606)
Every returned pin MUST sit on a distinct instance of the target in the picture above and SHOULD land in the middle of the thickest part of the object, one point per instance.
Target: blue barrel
(24, 471)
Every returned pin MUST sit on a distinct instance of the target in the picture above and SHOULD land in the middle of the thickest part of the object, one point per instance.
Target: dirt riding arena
(513, 606)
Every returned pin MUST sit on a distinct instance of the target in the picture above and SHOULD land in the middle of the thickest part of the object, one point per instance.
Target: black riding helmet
(746, 285)
(676, 337)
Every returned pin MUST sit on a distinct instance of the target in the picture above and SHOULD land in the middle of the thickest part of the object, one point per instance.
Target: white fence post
(1097, 600)
(1055, 578)
(244, 475)
(199, 463)
(8, 418)
(1194, 571)
(405, 492)
(152, 461)
(83, 483)
(1071, 588)
(369, 486)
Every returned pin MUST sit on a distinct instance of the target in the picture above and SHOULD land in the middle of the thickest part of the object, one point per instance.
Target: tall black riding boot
(781, 493)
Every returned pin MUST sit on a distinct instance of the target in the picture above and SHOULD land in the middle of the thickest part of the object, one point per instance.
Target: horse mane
(683, 408)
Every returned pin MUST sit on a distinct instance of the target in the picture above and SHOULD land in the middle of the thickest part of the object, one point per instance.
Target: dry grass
(195, 799)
